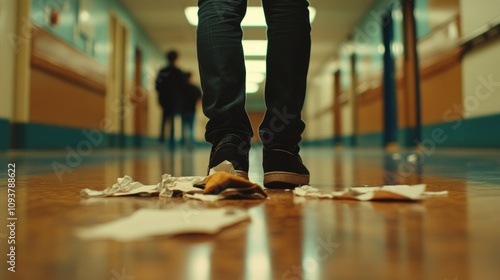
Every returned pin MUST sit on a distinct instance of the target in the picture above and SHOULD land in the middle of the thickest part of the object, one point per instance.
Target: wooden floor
(452, 237)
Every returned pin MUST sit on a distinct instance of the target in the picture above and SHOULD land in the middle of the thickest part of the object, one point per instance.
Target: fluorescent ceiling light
(253, 18)
(251, 88)
(84, 16)
(254, 47)
(258, 66)
(255, 77)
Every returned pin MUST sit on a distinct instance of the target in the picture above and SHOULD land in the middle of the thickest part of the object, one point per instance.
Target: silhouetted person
(189, 100)
(222, 72)
(170, 85)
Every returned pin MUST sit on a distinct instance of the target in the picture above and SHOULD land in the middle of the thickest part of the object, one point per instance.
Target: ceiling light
(253, 18)
(84, 16)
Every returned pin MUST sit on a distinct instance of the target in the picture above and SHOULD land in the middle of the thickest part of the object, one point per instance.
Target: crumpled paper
(222, 183)
(125, 186)
(219, 185)
(171, 186)
(153, 222)
(391, 192)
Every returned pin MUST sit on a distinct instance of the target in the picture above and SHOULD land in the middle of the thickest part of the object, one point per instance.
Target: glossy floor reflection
(451, 237)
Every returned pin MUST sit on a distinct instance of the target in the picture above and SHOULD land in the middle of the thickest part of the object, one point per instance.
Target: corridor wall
(69, 76)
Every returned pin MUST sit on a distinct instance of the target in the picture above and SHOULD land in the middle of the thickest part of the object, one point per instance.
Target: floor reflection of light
(198, 263)
(310, 267)
(257, 261)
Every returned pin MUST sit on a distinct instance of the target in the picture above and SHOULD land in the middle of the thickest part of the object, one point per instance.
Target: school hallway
(287, 237)
(401, 139)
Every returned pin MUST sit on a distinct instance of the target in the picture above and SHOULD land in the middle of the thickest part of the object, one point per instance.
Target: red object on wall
(54, 16)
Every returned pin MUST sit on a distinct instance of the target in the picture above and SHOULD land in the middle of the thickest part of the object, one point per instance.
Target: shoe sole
(284, 180)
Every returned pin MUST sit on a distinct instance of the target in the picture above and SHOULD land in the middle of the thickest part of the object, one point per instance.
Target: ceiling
(166, 25)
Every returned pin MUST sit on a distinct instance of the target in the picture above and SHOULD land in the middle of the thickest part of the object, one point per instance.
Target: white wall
(481, 81)
(319, 101)
(8, 12)
(310, 107)
(475, 13)
(320, 98)
(481, 72)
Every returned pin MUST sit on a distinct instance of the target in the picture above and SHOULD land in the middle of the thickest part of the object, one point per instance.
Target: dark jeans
(222, 69)
(167, 116)
(187, 133)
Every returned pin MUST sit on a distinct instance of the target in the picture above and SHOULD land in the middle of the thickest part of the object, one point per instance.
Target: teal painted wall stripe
(42, 136)
(349, 141)
(4, 134)
(482, 132)
(319, 142)
(371, 139)
(407, 136)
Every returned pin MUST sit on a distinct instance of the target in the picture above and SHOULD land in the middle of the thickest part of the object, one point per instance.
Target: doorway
(140, 102)
(116, 112)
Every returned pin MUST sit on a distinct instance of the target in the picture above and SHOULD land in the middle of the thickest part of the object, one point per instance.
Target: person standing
(189, 101)
(170, 85)
(222, 72)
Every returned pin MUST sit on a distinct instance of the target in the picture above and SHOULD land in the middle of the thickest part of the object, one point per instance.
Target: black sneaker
(283, 169)
(233, 149)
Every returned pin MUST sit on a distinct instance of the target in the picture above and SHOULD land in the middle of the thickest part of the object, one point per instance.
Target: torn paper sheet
(178, 186)
(223, 183)
(203, 197)
(226, 184)
(125, 186)
(153, 222)
(439, 193)
(308, 191)
(395, 192)
(225, 166)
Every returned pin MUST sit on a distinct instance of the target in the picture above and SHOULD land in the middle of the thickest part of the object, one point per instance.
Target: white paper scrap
(124, 186)
(171, 186)
(308, 191)
(226, 166)
(390, 192)
(153, 222)
(399, 192)
(439, 193)
(204, 197)
(177, 186)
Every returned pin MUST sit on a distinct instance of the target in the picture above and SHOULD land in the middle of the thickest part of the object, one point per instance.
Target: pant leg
(184, 125)
(222, 68)
(164, 117)
(288, 54)
(191, 127)
(172, 131)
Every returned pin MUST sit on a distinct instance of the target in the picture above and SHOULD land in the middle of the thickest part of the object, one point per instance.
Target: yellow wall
(56, 101)
(8, 45)
(481, 75)
(370, 111)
